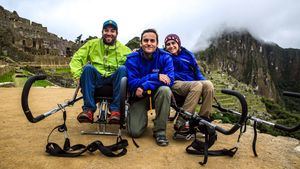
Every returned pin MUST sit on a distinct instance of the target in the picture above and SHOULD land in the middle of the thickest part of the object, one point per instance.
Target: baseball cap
(111, 23)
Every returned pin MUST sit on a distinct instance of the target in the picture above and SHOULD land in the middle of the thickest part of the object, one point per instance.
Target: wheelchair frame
(103, 107)
(243, 117)
(241, 124)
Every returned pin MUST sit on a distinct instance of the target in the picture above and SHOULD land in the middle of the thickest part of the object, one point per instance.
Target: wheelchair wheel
(123, 95)
(172, 118)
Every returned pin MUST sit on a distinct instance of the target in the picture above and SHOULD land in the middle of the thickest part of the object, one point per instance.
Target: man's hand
(164, 78)
(139, 92)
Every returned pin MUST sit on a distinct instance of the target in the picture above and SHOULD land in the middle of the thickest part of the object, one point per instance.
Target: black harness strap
(76, 150)
(224, 152)
(244, 128)
(201, 148)
(135, 143)
(254, 134)
(254, 139)
(109, 150)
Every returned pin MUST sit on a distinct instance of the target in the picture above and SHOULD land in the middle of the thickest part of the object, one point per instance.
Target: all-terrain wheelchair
(198, 124)
(204, 125)
(103, 97)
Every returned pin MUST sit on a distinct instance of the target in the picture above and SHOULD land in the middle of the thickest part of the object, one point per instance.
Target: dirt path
(22, 144)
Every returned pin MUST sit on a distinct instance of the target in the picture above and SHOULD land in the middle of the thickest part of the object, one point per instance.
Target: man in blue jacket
(149, 68)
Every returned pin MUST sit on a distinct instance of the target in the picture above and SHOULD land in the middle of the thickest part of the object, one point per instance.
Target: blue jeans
(91, 79)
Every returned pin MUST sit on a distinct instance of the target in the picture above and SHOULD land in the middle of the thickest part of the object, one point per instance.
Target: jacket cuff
(144, 86)
(154, 76)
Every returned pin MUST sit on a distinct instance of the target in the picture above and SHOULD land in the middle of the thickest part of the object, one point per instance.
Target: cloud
(195, 21)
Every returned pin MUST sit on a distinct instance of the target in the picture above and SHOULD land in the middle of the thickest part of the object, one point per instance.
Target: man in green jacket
(97, 63)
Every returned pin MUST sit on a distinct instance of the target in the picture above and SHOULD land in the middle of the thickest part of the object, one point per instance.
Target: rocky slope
(269, 68)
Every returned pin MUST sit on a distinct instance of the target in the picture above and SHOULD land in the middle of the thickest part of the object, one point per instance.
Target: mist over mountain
(267, 67)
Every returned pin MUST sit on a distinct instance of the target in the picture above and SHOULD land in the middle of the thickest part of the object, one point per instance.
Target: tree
(78, 39)
(134, 43)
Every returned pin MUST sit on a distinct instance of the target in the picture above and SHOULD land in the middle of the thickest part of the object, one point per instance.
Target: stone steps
(223, 81)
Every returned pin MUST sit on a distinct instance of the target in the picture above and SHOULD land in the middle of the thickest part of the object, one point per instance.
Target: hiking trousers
(193, 91)
(137, 119)
(91, 79)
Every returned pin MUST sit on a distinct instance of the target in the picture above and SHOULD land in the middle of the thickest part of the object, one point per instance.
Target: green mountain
(268, 68)
(258, 70)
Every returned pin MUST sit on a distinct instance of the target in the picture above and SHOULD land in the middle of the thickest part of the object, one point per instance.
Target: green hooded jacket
(105, 58)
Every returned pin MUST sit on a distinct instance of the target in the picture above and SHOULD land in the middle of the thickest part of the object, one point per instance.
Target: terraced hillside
(223, 81)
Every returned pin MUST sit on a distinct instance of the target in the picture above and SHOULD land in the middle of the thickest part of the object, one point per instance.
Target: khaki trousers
(193, 91)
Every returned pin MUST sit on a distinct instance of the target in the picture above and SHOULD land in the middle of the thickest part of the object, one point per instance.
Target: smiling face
(172, 47)
(109, 35)
(149, 43)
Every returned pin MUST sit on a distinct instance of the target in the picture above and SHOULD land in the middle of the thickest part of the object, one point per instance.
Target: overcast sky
(195, 21)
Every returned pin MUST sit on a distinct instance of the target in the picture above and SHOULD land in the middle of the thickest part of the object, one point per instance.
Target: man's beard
(109, 43)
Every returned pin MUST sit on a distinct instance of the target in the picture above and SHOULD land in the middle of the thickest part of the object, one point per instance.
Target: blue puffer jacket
(144, 73)
(186, 67)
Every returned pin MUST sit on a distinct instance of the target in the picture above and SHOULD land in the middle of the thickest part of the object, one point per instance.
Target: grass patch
(25, 72)
(7, 77)
(62, 70)
(281, 116)
(226, 118)
(42, 83)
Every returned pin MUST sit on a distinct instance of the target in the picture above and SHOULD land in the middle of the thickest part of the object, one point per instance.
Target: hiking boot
(181, 125)
(114, 117)
(87, 116)
(161, 139)
(183, 136)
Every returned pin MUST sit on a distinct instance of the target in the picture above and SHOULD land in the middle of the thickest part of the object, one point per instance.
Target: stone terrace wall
(5, 68)
(31, 37)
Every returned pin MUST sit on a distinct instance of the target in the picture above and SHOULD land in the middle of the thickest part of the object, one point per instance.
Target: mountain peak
(266, 67)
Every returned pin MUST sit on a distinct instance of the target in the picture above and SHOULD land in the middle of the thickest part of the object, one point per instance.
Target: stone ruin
(31, 37)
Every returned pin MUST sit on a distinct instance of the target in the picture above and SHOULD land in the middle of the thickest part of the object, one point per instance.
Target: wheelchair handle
(291, 94)
(24, 98)
(279, 126)
(24, 101)
(288, 129)
(243, 116)
(258, 120)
